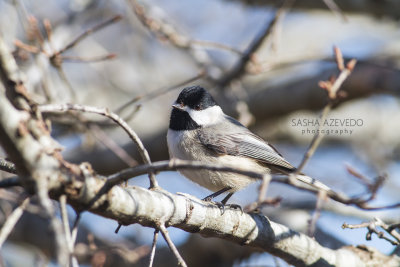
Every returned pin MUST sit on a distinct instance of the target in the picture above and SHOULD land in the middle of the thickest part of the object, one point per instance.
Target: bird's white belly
(186, 146)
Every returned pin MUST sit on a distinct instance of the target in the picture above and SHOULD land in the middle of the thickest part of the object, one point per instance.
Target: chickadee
(199, 130)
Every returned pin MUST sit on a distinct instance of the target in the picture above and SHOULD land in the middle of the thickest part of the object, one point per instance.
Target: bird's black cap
(196, 97)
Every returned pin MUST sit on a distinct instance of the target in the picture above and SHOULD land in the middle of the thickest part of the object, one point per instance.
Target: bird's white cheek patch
(207, 116)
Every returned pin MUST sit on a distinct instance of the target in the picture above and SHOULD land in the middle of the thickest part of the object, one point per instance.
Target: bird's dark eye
(197, 107)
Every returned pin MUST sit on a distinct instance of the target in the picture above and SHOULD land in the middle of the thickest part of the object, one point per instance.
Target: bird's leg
(222, 204)
(234, 206)
(213, 195)
(226, 198)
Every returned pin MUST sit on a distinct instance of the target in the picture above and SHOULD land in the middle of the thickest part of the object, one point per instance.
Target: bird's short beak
(177, 106)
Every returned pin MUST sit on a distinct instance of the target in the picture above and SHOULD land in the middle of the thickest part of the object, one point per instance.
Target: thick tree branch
(367, 79)
(146, 207)
(27, 142)
(380, 9)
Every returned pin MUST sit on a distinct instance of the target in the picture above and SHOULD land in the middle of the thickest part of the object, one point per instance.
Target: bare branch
(335, 9)
(216, 46)
(317, 212)
(112, 145)
(68, 235)
(240, 66)
(55, 224)
(57, 63)
(153, 248)
(78, 59)
(89, 32)
(12, 219)
(332, 90)
(7, 166)
(372, 228)
(262, 191)
(317, 138)
(171, 245)
(166, 32)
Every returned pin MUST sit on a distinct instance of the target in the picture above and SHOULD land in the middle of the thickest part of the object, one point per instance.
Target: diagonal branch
(240, 66)
(12, 219)
(146, 207)
(171, 245)
(153, 247)
(89, 32)
(7, 166)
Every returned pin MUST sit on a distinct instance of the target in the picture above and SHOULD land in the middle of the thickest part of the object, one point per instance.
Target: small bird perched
(199, 130)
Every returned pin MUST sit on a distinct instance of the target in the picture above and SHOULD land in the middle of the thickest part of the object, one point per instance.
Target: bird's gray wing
(237, 140)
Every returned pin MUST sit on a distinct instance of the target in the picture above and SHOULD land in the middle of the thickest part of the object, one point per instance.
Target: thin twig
(335, 9)
(89, 32)
(355, 226)
(12, 220)
(76, 223)
(77, 59)
(165, 31)
(64, 78)
(105, 112)
(68, 235)
(262, 191)
(332, 90)
(357, 174)
(372, 185)
(153, 247)
(321, 197)
(74, 231)
(172, 246)
(216, 46)
(372, 228)
(35, 29)
(112, 145)
(151, 95)
(317, 138)
(49, 32)
(161, 29)
(22, 14)
(7, 166)
(26, 47)
(55, 225)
